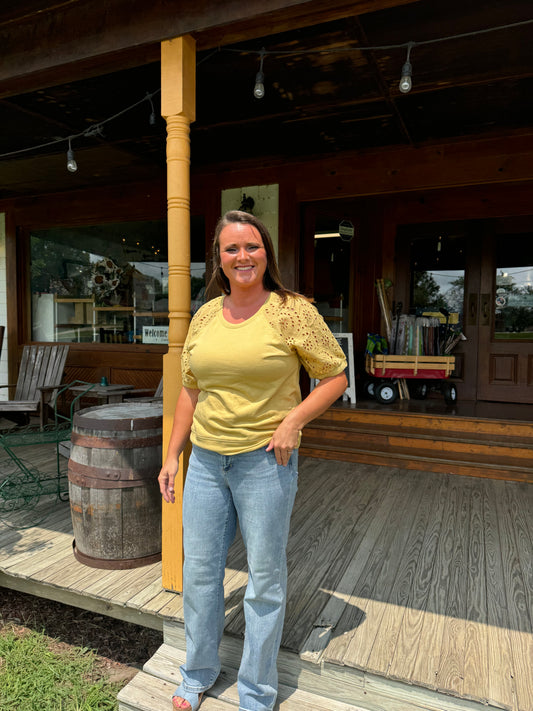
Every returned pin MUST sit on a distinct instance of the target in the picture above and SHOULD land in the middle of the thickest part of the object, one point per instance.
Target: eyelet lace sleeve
(199, 321)
(305, 331)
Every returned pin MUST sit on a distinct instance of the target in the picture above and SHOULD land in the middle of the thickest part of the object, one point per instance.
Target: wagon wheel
(450, 393)
(386, 392)
(19, 495)
(369, 387)
(418, 390)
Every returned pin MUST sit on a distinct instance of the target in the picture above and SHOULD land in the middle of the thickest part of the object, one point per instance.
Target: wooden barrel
(115, 502)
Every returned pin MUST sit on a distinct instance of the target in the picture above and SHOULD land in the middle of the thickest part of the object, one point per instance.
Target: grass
(39, 674)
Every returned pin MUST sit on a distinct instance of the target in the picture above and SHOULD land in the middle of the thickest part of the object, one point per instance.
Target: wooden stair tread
(309, 448)
(348, 426)
(428, 465)
(408, 451)
(151, 689)
(407, 439)
(149, 693)
(444, 422)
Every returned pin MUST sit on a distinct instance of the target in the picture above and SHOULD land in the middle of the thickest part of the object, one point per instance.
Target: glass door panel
(513, 302)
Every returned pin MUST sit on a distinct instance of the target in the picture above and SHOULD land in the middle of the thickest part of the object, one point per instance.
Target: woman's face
(242, 255)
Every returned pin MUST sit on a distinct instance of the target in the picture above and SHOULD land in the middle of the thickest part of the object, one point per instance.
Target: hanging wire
(97, 128)
(360, 48)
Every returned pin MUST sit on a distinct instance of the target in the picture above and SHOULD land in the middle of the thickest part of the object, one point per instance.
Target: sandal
(189, 700)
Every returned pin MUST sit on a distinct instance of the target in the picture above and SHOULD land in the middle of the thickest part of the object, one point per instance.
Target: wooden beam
(290, 19)
(178, 100)
(73, 41)
(82, 68)
(391, 170)
(136, 201)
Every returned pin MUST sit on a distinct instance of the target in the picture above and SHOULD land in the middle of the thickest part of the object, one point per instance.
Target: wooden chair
(139, 395)
(40, 375)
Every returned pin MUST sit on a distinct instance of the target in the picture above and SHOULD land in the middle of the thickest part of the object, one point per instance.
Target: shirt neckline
(227, 324)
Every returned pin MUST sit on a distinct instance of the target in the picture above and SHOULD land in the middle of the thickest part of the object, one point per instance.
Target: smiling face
(242, 256)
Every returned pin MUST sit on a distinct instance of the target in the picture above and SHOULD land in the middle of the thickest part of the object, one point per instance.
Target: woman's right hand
(166, 479)
(181, 429)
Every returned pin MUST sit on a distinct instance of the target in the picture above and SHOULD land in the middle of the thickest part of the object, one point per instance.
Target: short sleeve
(187, 377)
(307, 333)
(199, 321)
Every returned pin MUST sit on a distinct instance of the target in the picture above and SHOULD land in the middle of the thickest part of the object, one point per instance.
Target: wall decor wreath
(105, 278)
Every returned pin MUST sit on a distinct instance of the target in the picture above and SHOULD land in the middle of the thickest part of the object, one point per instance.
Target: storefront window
(105, 283)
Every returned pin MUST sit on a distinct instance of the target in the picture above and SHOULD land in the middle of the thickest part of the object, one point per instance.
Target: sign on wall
(155, 334)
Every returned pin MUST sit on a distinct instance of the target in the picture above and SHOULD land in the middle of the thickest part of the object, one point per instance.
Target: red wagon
(388, 369)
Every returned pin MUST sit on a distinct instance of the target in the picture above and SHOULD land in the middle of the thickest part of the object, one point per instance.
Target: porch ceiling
(315, 104)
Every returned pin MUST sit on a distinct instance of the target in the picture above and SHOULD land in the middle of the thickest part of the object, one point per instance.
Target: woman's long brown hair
(271, 278)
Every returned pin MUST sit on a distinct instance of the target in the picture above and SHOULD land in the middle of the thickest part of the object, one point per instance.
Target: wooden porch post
(178, 99)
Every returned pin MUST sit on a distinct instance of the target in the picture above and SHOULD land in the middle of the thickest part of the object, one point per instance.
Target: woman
(241, 407)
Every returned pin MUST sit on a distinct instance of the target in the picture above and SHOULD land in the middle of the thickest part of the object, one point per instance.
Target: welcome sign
(155, 334)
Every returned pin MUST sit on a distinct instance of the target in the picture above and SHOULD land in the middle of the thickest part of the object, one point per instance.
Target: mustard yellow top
(248, 373)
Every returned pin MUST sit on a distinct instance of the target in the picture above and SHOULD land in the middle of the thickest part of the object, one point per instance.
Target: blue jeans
(219, 489)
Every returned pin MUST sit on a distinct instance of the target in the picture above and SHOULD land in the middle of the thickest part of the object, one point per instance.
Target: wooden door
(483, 271)
(505, 320)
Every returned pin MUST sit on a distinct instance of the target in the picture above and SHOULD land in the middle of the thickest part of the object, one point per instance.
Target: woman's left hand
(287, 436)
(284, 440)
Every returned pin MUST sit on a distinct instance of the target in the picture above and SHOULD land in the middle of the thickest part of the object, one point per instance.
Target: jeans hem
(192, 690)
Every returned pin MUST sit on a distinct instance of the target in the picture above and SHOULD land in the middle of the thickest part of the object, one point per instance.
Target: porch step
(340, 688)
(496, 449)
(152, 689)
(149, 693)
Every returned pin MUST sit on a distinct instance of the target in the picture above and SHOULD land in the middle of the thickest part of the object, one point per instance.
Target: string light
(259, 88)
(407, 72)
(406, 69)
(152, 115)
(72, 166)
(95, 130)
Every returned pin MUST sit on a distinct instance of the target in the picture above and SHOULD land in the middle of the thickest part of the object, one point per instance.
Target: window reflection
(104, 283)
(438, 276)
(513, 304)
(513, 297)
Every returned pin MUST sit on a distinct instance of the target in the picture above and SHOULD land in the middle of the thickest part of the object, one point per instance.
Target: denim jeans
(219, 489)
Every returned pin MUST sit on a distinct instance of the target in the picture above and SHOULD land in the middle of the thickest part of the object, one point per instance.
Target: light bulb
(405, 82)
(259, 88)
(152, 114)
(72, 166)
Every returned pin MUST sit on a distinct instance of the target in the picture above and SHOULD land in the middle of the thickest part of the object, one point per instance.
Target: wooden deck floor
(423, 578)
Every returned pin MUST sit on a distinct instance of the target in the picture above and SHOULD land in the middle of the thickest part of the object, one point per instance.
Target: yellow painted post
(178, 102)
